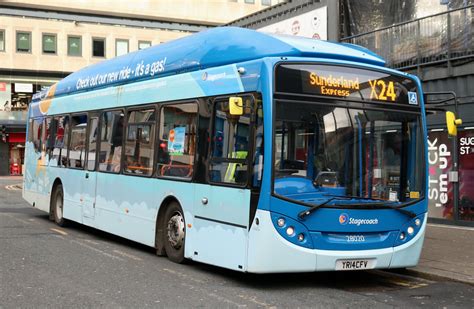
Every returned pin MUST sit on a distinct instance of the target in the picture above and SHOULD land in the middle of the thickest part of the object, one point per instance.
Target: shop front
(451, 194)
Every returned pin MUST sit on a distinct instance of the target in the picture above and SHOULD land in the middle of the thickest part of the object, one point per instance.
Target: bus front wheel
(57, 201)
(174, 233)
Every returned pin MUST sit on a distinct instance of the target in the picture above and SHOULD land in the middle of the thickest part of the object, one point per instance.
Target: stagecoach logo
(344, 219)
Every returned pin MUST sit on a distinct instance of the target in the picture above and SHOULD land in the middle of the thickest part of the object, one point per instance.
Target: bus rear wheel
(174, 233)
(57, 200)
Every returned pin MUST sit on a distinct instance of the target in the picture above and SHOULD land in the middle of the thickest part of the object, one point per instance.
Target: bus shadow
(355, 281)
(359, 281)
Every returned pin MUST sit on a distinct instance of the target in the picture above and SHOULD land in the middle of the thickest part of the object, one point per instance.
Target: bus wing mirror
(452, 123)
(236, 106)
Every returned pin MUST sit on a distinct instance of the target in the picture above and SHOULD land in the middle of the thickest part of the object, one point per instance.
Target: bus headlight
(300, 237)
(417, 222)
(281, 222)
(410, 230)
(290, 231)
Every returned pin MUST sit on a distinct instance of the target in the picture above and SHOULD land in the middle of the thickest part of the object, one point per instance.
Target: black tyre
(57, 205)
(174, 235)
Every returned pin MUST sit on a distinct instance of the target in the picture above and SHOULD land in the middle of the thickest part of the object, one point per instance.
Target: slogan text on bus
(343, 87)
(140, 69)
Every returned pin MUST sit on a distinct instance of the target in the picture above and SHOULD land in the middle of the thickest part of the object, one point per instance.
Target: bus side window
(59, 147)
(91, 152)
(139, 142)
(37, 132)
(230, 144)
(111, 139)
(77, 147)
(177, 140)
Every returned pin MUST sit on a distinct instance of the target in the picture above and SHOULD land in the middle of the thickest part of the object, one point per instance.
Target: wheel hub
(176, 231)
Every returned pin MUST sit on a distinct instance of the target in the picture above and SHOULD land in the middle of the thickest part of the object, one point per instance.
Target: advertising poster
(311, 25)
(466, 174)
(176, 141)
(440, 190)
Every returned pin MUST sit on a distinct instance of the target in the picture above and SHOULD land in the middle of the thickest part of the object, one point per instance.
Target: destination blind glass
(345, 82)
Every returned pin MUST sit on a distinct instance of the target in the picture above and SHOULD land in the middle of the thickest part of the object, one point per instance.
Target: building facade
(42, 42)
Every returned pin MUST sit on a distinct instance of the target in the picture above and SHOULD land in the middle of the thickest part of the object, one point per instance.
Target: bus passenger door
(222, 207)
(90, 175)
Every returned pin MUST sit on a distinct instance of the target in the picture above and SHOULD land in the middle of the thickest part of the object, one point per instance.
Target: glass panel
(177, 140)
(466, 174)
(49, 44)
(121, 47)
(77, 149)
(266, 2)
(111, 139)
(348, 152)
(60, 140)
(37, 131)
(92, 143)
(139, 146)
(74, 46)
(144, 44)
(98, 47)
(2, 40)
(23, 42)
(231, 144)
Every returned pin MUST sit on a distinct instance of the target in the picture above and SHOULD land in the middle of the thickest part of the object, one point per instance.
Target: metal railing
(442, 37)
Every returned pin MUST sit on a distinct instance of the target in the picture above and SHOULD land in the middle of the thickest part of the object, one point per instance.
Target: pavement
(448, 251)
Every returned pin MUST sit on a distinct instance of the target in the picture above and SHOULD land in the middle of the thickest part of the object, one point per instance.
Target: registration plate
(355, 264)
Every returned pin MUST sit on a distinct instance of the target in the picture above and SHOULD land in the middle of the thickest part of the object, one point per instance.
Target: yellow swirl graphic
(46, 103)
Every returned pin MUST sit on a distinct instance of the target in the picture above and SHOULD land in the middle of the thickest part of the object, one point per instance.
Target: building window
(143, 44)
(266, 2)
(121, 47)
(74, 46)
(98, 47)
(49, 43)
(2, 40)
(250, 1)
(23, 42)
(177, 140)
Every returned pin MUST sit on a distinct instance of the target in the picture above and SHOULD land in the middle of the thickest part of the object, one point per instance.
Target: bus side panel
(72, 181)
(128, 206)
(221, 217)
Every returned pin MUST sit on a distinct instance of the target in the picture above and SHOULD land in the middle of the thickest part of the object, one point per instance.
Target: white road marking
(131, 256)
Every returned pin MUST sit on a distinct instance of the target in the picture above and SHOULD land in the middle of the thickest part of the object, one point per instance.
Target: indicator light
(300, 237)
(402, 236)
(281, 222)
(417, 222)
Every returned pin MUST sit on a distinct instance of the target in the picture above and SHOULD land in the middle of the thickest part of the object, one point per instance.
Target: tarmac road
(43, 265)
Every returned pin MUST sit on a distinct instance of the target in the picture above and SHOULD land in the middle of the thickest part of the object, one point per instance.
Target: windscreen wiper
(307, 212)
(383, 205)
(397, 208)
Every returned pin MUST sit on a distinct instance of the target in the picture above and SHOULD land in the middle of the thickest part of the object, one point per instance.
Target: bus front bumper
(268, 252)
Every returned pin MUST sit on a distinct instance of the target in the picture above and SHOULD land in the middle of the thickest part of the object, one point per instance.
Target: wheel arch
(56, 182)
(159, 231)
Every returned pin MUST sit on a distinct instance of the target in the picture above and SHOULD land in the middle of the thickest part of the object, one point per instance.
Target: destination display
(345, 82)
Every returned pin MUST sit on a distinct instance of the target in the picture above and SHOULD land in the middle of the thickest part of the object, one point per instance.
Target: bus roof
(211, 48)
